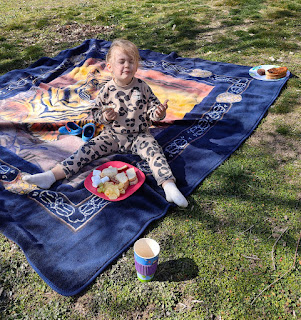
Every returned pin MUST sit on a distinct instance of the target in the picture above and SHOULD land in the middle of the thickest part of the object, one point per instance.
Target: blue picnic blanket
(69, 235)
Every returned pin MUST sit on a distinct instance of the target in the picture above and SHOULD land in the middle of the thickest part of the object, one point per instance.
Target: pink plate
(117, 164)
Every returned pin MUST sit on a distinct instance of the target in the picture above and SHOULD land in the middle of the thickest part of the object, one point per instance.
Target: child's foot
(173, 194)
(43, 180)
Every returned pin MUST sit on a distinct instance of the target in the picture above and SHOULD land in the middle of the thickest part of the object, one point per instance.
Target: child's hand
(161, 110)
(110, 114)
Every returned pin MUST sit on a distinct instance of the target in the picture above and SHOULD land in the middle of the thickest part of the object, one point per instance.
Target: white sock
(173, 194)
(43, 180)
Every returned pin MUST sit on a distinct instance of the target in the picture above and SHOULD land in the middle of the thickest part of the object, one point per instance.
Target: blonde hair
(127, 46)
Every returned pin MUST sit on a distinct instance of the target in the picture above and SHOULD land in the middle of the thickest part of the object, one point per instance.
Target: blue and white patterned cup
(146, 253)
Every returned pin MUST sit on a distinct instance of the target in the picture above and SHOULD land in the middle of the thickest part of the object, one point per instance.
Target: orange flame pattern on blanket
(183, 94)
(69, 97)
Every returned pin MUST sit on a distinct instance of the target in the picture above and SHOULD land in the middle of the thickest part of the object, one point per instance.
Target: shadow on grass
(13, 56)
(259, 214)
(173, 32)
(177, 270)
(4, 301)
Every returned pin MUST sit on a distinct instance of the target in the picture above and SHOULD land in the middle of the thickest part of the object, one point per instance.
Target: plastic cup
(146, 254)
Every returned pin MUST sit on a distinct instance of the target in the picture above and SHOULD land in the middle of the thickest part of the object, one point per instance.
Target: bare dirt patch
(57, 36)
(76, 32)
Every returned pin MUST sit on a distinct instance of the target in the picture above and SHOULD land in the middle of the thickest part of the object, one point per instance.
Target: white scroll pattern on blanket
(7, 173)
(59, 205)
(4, 169)
(196, 131)
(56, 203)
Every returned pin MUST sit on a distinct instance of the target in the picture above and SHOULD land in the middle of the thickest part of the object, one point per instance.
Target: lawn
(234, 253)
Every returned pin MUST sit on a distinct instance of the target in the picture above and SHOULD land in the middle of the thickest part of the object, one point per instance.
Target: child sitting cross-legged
(126, 106)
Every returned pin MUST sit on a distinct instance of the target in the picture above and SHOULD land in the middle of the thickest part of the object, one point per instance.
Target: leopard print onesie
(135, 105)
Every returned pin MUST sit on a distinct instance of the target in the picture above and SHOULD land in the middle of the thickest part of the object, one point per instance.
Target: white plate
(253, 72)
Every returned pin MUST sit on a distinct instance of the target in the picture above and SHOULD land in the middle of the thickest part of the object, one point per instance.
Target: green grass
(232, 253)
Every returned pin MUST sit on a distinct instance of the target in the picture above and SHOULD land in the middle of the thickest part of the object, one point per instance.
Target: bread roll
(276, 73)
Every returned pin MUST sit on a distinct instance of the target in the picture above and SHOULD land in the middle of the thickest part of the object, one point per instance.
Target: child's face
(122, 66)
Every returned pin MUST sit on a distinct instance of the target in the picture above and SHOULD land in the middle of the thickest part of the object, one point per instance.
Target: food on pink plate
(113, 181)
(123, 178)
(111, 190)
(122, 168)
(132, 176)
(109, 172)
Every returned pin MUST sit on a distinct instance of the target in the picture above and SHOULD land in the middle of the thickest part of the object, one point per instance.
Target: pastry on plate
(276, 73)
(261, 72)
